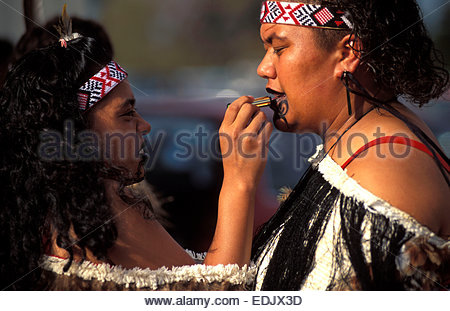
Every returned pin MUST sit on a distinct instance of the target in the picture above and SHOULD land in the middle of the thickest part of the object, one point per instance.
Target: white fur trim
(152, 278)
(315, 158)
(324, 268)
(349, 187)
(198, 257)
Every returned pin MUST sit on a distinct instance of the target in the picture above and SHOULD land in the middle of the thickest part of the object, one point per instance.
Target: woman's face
(120, 129)
(300, 75)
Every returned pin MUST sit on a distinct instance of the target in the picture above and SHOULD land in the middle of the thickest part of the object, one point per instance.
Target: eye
(129, 113)
(278, 50)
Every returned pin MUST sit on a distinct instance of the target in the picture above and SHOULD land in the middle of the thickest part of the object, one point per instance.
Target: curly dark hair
(39, 37)
(41, 197)
(6, 50)
(395, 46)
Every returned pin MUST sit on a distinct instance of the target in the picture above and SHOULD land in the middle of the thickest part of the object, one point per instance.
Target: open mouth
(144, 156)
(279, 105)
(279, 98)
(143, 152)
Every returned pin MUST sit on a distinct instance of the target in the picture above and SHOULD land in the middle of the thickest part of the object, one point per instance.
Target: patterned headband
(100, 84)
(311, 15)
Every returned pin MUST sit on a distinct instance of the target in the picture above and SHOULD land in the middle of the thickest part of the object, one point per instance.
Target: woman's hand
(244, 138)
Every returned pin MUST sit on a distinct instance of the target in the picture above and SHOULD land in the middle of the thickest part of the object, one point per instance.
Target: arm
(245, 133)
(244, 137)
(412, 183)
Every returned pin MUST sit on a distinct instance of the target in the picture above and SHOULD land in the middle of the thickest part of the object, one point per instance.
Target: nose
(143, 126)
(266, 68)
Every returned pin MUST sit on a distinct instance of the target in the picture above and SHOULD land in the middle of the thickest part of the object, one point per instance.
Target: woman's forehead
(270, 32)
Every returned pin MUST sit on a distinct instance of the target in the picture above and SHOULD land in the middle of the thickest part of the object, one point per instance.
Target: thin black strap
(348, 128)
(395, 112)
(415, 129)
(425, 139)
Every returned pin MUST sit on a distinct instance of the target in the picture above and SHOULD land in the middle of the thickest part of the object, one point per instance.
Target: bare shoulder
(405, 177)
(413, 184)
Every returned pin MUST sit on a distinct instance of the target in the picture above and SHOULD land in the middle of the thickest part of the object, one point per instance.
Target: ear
(348, 52)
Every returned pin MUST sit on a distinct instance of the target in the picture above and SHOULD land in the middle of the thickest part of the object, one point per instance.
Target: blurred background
(187, 59)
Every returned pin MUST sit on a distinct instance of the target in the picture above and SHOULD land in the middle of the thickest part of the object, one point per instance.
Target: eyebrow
(273, 36)
(128, 102)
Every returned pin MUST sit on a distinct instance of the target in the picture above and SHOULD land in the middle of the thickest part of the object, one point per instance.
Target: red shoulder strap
(396, 140)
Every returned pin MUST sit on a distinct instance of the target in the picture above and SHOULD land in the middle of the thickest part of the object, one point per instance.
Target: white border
(152, 278)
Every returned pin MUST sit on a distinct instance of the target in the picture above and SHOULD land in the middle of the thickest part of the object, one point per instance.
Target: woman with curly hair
(72, 143)
(372, 211)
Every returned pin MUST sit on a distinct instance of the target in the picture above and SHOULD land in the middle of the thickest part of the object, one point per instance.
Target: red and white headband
(100, 84)
(300, 14)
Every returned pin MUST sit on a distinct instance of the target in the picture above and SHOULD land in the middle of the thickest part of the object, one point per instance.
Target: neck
(359, 104)
(343, 120)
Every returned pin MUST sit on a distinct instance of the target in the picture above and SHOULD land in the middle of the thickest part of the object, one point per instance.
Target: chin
(140, 174)
(132, 171)
(281, 124)
(140, 169)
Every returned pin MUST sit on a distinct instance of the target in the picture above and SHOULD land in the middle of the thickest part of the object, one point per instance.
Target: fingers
(246, 124)
(266, 131)
(234, 109)
(257, 122)
(245, 116)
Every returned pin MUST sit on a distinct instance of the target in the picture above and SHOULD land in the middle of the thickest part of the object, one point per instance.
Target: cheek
(290, 71)
(117, 139)
(303, 76)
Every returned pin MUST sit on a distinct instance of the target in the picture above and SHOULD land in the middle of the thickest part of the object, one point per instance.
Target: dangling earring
(344, 79)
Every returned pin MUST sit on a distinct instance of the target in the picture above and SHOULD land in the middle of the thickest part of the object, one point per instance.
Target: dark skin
(309, 77)
(145, 243)
(138, 237)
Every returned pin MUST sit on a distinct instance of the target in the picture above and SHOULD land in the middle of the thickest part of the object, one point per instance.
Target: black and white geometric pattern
(303, 14)
(294, 13)
(273, 11)
(100, 84)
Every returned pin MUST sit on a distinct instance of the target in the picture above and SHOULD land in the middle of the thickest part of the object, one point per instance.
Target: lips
(143, 152)
(279, 98)
(278, 101)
